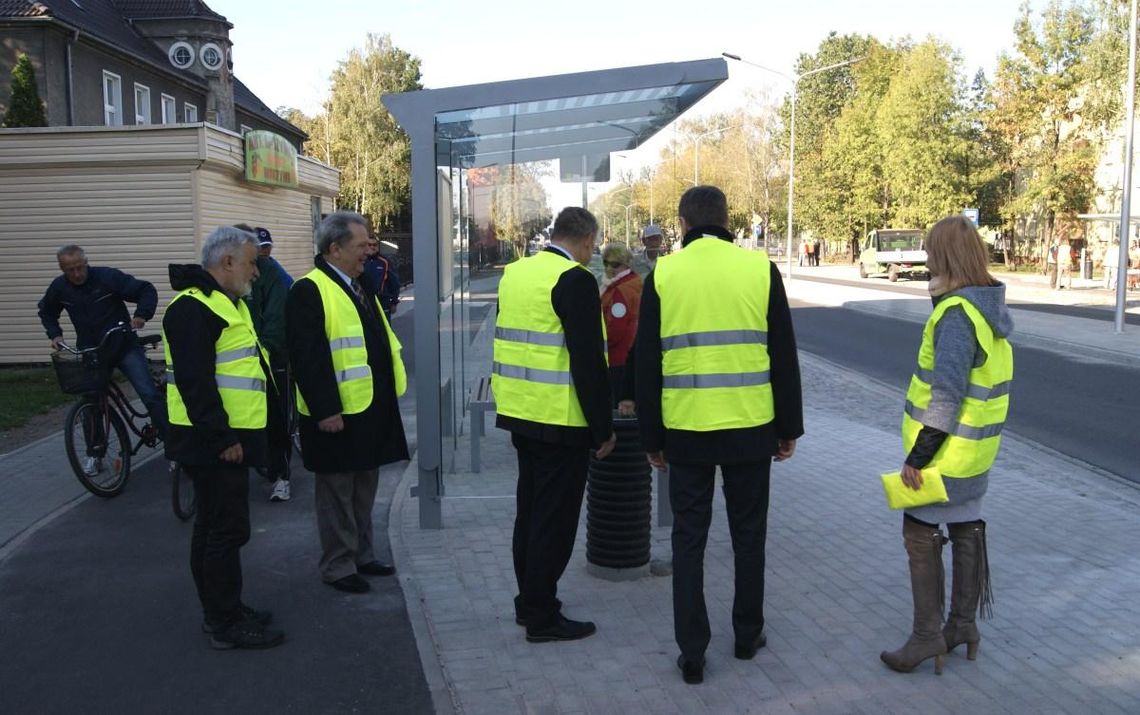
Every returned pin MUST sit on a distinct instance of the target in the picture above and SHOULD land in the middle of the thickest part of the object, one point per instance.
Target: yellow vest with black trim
(237, 365)
(972, 444)
(714, 337)
(345, 333)
(530, 375)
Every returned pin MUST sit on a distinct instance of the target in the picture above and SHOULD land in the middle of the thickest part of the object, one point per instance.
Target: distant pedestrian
(553, 395)
(380, 277)
(1064, 265)
(809, 249)
(718, 384)
(817, 251)
(804, 256)
(955, 411)
(621, 304)
(349, 374)
(222, 403)
(652, 247)
(1111, 264)
(265, 250)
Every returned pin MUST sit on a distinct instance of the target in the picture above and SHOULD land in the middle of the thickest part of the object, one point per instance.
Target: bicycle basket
(79, 374)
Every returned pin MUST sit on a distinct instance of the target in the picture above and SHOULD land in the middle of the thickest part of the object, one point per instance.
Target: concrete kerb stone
(443, 695)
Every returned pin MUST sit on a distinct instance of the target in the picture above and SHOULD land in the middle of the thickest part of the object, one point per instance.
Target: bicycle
(95, 435)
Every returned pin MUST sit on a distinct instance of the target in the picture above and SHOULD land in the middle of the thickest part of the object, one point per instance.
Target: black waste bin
(618, 507)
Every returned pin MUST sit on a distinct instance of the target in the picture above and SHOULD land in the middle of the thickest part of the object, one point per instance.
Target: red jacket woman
(621, 301)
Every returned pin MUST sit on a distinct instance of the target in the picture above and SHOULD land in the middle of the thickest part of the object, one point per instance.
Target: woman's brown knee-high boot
(924, 551)
(971, 586)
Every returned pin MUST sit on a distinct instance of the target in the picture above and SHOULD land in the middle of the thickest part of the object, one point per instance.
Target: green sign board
(270, 159)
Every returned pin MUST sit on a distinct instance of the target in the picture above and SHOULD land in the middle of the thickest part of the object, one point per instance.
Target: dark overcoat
(370, 438)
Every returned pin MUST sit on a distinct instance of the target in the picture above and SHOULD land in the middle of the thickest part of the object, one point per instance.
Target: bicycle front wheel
(98, 448)
(183, 497)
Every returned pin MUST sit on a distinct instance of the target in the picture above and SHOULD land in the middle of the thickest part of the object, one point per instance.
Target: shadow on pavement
(98, 614)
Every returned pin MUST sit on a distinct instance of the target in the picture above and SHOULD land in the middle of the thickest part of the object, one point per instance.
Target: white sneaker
(280, 491)
(92, 466)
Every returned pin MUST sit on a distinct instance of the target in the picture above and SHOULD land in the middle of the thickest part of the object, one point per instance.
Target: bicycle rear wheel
(183, 497)
(97, 447)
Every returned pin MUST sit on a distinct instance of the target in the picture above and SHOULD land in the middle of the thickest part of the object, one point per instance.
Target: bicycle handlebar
(149, 340)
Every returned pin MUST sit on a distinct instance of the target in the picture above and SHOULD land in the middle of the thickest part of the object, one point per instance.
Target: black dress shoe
(376, 568)
(747, 651)
(263, 618)
(351, 583)
(563, 629)
(692, 672)
(518, 610)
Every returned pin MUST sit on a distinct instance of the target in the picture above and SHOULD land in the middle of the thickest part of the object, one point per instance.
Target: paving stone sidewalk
(1064, 638)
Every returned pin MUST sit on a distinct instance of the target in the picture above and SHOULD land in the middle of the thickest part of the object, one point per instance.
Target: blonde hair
(956, 256)
(618, 252)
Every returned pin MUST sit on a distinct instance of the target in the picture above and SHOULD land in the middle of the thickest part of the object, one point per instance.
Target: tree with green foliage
(25, 108)
(363, 140)
(1053, 100)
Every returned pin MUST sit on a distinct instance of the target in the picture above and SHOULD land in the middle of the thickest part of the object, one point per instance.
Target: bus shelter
(578, 119)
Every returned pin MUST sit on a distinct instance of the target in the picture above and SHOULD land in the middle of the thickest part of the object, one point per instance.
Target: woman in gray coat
(955, 411)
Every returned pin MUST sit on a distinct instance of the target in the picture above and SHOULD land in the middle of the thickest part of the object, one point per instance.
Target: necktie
(362, 298)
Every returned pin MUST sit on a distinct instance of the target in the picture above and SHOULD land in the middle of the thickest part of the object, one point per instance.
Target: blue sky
(285, 54)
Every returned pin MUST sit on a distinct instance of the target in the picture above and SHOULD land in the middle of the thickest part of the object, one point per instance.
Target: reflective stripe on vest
(238, 372)
(530, 374)
(973, 440)
(347, 346)
(714, 337)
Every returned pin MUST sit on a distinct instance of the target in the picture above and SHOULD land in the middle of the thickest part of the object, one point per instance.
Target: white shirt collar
(343, 276)
(563, 251)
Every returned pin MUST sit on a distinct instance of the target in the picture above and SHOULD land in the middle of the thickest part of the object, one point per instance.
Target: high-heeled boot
(971, 587)
(924, 552)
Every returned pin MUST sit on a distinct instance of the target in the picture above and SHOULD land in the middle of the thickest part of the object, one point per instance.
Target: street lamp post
(697, 148)
(795, 80)
(627, 208)
(1126, 195)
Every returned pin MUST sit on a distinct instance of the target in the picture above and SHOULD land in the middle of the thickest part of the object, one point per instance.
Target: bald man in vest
(552, 392)
(349, 374)
(718, 385)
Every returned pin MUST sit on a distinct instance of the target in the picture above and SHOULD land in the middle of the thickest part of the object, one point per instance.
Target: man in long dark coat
(346, 363)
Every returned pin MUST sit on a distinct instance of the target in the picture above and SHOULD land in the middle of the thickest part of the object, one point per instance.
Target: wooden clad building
(136, 198)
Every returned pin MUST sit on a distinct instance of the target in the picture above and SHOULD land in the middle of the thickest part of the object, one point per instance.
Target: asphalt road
(1082, 408)
(98, 613)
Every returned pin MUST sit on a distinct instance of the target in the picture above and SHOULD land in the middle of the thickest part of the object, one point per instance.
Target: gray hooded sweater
(956, 352)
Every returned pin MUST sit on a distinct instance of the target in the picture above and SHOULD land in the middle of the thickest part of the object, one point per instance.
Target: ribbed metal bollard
(618, 508)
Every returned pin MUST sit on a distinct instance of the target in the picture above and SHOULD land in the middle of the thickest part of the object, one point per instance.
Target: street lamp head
(731, 56)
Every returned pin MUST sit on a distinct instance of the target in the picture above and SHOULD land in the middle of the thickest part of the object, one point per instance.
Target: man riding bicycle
(94, 300)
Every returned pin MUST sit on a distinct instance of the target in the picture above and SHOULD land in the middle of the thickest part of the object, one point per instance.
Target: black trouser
(746, 501)
(552, 479)
(280, 442)
(221, 528)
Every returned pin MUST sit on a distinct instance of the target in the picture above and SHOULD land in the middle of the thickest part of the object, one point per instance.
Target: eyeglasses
(612, 264)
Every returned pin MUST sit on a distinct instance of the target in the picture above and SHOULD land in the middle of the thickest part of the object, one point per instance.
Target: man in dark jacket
(94, 300)
(380, 278)
(346, 363)
(221, 404)
(553, 394)
(717, 384)
(266, 301)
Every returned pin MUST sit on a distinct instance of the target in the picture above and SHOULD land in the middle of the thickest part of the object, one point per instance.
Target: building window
(112, 99)
(142, 104)
(189, 113)
(181, 55)
(169, 110)
(246, 129)
(212, 56)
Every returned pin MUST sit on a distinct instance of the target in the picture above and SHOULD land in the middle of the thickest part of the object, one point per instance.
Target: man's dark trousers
(552, 479)
(746, 501)
(221, 528)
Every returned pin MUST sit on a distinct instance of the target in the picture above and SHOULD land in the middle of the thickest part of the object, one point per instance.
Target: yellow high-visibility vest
(345, 333)
(530, 375)
(714, 337)
(237, 365)
(972, 444)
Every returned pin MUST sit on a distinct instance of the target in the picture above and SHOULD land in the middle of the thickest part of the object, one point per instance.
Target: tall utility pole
(795, 80)
(1126, 196)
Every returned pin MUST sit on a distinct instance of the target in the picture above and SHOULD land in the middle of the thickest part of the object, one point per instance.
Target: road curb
(443, 696)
